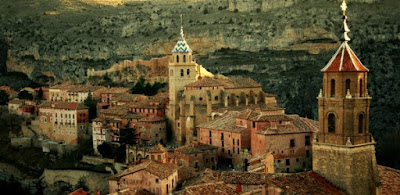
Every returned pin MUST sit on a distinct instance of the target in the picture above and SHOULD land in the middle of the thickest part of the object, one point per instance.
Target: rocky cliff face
(281, 44)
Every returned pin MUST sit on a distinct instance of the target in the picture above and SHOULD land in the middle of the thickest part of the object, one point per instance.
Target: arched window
(182, 73)
(184, 58)
(361, 87)
(361, 123)
(177, 58)
(333, 88)
(331, 123)
(347, 85)
(188, 71)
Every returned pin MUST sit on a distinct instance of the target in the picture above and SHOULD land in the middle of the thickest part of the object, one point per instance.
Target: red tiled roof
(344, 60)
(78, 192)
(158, 149)
(64, 105)
(226, 122)
(152, 118)
(210, 188)
(299, 126)
(205, 82)
(390, 179)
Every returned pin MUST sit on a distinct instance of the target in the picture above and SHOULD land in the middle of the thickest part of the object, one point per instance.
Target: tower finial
(346, 29)
(182, 26)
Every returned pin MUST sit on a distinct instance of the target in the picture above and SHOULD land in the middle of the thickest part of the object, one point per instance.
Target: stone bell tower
(182, 71)
(343, 149)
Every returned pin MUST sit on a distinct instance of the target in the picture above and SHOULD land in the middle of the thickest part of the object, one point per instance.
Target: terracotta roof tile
(226, 122)
(158, 149)
(299, 126)
(390, 179)
(63, 105)
(210, 188)
(344, 60)
(152, 118)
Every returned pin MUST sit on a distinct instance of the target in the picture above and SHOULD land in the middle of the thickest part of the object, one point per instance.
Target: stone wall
(96, 160)
(23, 142)
(95, 181)
(352, 168)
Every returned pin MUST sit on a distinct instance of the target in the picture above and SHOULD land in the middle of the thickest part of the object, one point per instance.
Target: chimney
(239, 188)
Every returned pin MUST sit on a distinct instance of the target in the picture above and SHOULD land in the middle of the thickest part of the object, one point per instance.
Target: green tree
(25, 95)
(4, 97)
(138, 87)
(40, 93)
(92, 104)
(106, 150)
(128, 136)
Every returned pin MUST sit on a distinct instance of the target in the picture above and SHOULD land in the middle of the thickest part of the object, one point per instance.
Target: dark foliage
(141, 87)
(12, 186)
(25, 95)
(40, 94)
(82, 184)
(4, 97)
(106, 150)
(92, 104)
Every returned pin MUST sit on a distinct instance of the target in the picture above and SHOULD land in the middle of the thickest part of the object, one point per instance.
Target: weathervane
(182, 26)
(345, 27)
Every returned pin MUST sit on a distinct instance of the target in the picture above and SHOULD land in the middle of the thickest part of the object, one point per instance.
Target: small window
(222, 143)
(184, 58)
(347, 85)
(331, 123)
(237, 141)
(216, 98)
(201, 99)
(222, 136)
(210, 133)
(157, 180)
(307, 141)
(177, 58)
(292, 143)
(361, 87)
(188, 72)
(360, 123)
(182, 73)
(333, 88)
(287, 162)
(254, 124)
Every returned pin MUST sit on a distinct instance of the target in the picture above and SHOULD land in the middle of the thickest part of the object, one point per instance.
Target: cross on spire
(346, 29)
(182, 35)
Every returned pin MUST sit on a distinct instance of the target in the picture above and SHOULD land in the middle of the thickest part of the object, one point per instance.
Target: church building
(343, 149)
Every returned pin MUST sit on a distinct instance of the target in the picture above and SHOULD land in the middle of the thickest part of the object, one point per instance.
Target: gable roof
(344, 60)
(63, 105)
(161, 170)
(181, 46)
(226, 122)
(158, 149)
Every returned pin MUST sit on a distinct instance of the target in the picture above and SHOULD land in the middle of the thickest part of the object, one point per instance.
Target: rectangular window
(287, 162)
(237, 141)
(210, 133)
(307, 141)
(254, 124)
(233, 141)
(292, 143)
(222, 136)
(222, 143)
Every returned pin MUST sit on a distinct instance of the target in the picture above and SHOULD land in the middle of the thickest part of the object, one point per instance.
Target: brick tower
(182, 71)
(343, 149)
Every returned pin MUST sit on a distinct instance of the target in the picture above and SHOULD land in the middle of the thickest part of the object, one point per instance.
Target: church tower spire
(182, 71)
(344, 151)
(346, 28)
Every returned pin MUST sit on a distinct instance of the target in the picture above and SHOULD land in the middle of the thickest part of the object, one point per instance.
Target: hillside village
(204, 133)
